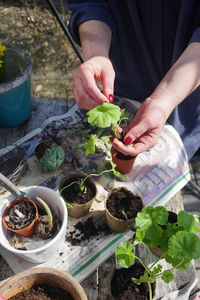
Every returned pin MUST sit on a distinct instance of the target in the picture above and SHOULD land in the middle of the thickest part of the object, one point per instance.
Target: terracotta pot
(171, 219)
(116, 224)
(30, 229)
(78, 210)
(124, 163)
(36, 276)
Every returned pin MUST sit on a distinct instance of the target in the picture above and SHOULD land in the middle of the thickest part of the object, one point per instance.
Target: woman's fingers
(82, 98)
(85, 78)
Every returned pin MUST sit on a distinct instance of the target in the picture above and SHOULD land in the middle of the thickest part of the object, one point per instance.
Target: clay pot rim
(24, 230)
(23, 275)
(82, 175)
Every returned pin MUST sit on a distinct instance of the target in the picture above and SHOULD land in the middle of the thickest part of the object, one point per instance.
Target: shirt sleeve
(82, 11)
(196, 36)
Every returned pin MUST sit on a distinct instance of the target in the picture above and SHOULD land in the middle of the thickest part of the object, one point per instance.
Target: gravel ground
(30, 25)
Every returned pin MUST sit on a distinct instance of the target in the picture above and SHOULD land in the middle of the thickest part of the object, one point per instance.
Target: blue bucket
(15, 92)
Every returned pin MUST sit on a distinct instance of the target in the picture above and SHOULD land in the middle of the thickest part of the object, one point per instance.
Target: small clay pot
(171, 219)
(117, 224)
(38, 276)
(30, 229)
(78, 210)
(124, 163)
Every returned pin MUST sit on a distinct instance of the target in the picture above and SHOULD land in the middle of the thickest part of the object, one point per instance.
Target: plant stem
(47, 209)
(141, 262)
(150, 290)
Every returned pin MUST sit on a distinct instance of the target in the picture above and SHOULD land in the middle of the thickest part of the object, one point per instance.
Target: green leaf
(153, 236)
(143, 278)
(184, 245)
(178, 263)
(90, 144)
(186, 220)
(104, 115)
(156, 270)
(124, 254)
(151, 216)
(139, 236)
(167, 276)
(167, 233)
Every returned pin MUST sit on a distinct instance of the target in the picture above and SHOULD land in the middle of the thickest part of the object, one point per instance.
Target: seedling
(104, 116)
(47, 209)
(178, 242)
(81, 181)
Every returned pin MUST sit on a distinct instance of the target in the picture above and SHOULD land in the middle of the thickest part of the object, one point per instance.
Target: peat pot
(121, 209)
(43, 276)
(81, 201)
(15, 92)
(52, 246)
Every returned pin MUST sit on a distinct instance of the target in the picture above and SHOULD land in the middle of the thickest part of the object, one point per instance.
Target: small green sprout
(47, 209)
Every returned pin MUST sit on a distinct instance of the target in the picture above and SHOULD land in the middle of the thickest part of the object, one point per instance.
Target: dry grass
(30, 25)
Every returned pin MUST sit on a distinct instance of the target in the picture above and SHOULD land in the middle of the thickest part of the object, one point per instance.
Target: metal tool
(6, 183)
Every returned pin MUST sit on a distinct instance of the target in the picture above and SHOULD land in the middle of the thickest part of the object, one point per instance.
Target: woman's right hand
(86, 78)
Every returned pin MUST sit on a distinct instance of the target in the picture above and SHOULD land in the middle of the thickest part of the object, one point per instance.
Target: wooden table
(97, 285)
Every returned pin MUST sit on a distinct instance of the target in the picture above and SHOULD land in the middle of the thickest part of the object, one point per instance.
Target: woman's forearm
(180, 81)
(95, 39)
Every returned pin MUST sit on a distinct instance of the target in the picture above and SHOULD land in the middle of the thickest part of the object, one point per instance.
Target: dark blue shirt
(147, 38)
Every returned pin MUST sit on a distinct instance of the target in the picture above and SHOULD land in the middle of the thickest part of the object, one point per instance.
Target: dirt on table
(43, 292)
(88, 228)
(30, 26)
(123, 204)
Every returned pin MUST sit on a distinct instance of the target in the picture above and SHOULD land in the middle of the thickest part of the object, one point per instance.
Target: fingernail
(128, 140)
(111, 98)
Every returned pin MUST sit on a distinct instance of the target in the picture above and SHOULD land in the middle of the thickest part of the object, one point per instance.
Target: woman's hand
(144, 130)
(95, 70)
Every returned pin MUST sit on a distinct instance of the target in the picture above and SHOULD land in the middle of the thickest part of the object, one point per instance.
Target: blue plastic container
(15, 93)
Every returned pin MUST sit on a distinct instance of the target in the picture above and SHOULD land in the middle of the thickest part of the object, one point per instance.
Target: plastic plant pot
(30, 229)
(124, 163)
(15, 92)
(51, 247)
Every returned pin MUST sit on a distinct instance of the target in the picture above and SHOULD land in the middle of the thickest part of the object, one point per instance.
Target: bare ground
(30, 25)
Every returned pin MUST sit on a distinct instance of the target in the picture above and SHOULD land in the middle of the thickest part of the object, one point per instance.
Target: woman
(145, 50)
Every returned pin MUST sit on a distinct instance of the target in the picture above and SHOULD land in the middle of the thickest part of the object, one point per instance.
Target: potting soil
(43, 292)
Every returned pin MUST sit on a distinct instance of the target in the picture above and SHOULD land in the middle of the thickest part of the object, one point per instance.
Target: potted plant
(15, 88)
(50, 155)
(121, 208)
(178, 242)
(43, 282)
(50, 228)
(21, 216)
(79, 191)
(109, 116)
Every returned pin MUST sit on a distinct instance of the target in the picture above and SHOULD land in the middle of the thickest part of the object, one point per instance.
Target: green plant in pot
(109, 116)
(79, 190)
(177, 241)
(15, 87)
